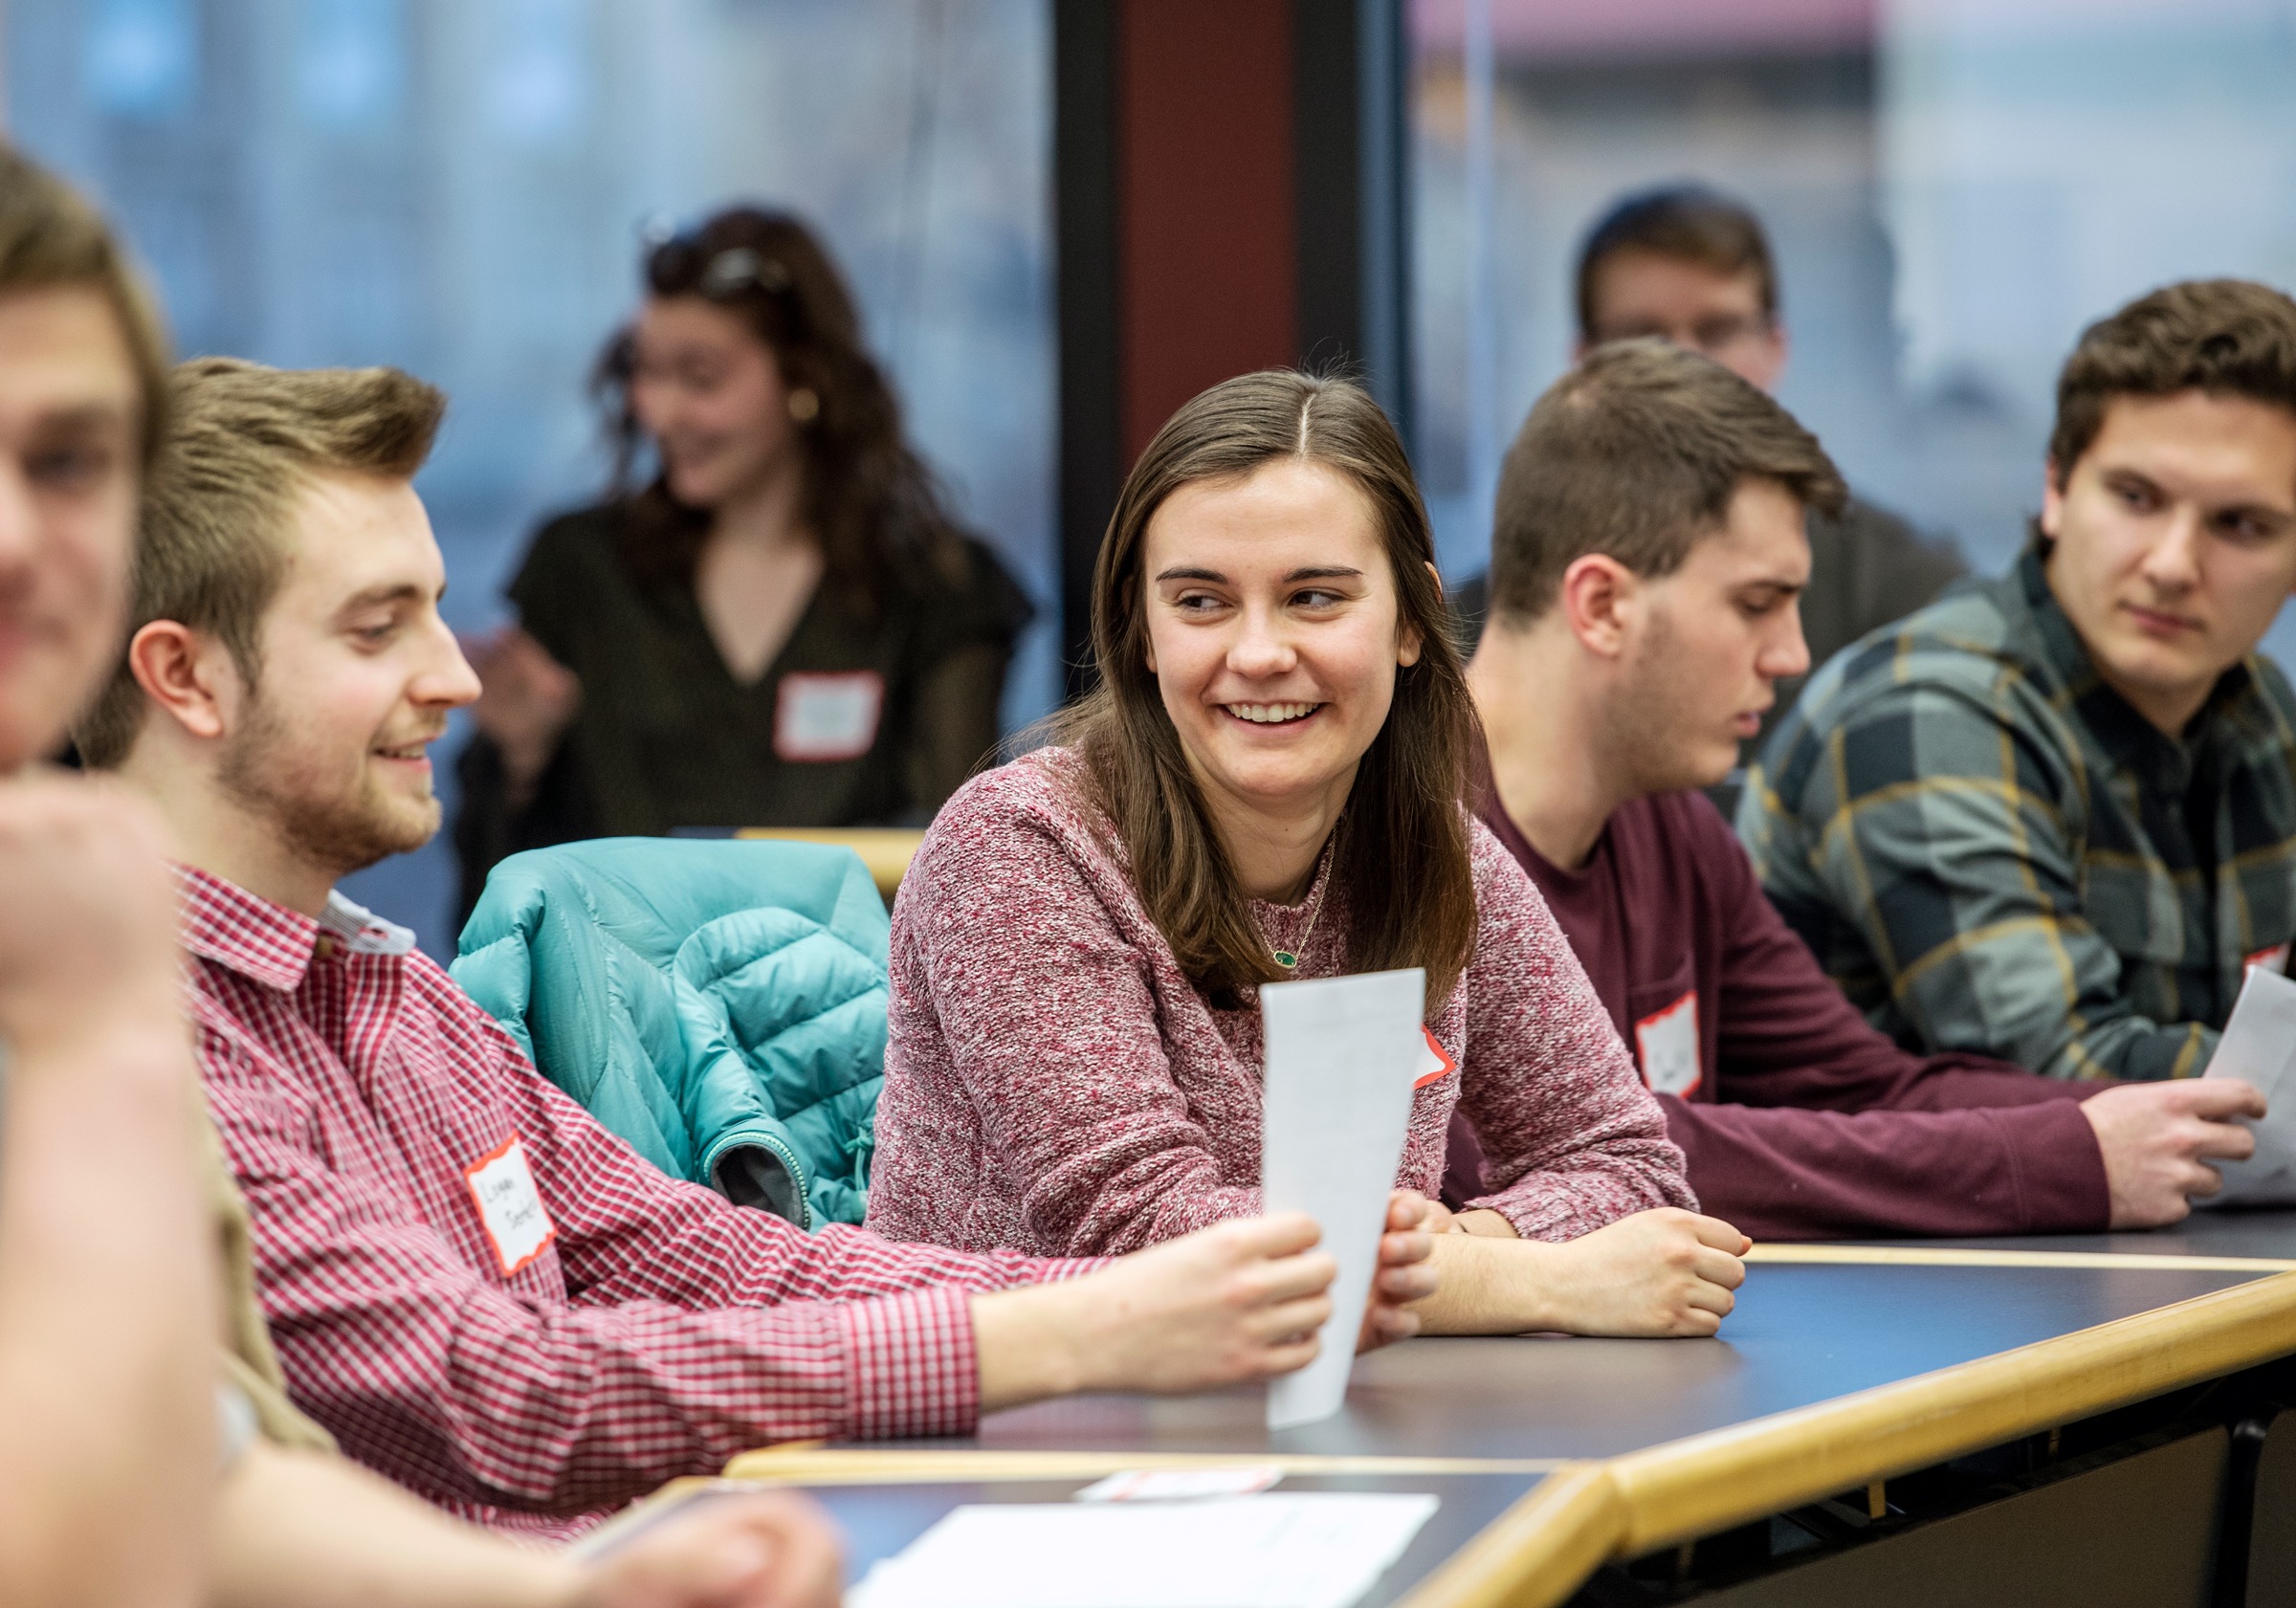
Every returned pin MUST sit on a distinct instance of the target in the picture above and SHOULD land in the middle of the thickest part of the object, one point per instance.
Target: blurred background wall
(1954, 188)
(457, 187)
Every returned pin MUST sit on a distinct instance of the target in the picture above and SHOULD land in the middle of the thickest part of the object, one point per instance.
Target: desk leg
(2139, 1533)
(2272, 1551)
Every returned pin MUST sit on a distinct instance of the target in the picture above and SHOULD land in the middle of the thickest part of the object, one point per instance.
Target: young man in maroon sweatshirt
(1647, 551)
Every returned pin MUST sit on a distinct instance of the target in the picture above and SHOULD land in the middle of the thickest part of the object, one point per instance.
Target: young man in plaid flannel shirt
(2052, 818)
(478, 1289)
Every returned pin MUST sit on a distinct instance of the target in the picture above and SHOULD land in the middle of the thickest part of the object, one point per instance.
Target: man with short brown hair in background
(1691, 266)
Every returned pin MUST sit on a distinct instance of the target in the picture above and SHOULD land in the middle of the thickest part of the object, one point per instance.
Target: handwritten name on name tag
(510, 1206)
(1668, 1042)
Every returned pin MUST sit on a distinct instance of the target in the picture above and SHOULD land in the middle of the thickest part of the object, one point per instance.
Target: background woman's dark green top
(863, 718)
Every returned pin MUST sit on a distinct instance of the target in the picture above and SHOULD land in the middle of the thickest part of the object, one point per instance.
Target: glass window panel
(141, 59)
(1953, 189)
(456, 186)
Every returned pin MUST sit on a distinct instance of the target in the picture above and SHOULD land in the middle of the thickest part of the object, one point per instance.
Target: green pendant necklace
(1288, 958)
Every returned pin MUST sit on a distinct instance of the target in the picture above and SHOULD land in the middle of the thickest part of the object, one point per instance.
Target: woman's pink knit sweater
(1056, 1085)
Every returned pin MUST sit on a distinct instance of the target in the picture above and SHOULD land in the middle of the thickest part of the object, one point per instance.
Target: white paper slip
(1316, 1550)
(1342, 1056)
(1181, 1485)
(2258, 1046)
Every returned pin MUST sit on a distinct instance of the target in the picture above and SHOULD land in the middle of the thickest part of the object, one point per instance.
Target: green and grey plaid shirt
(1989, 850)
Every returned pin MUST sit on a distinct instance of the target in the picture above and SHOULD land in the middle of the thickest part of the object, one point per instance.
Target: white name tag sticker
(1668, 1042)
(823, 717)
(510, 1206)
(2272, 959)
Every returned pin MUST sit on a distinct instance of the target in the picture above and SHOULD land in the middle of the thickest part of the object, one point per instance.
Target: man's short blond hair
(243, 443)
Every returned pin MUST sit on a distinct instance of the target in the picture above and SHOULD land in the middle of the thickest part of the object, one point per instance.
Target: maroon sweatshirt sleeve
(1796, 1174)
(1827, 1128)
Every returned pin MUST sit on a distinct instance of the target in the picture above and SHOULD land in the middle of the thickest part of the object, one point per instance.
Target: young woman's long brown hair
(870, 497)
(1401, 853)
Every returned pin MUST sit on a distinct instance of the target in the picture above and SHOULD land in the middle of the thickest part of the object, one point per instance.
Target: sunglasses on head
(680, 262)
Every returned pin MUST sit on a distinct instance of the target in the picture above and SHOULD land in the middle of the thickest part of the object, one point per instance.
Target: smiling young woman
(784, 627)
(1317, 596)
(1266, 784)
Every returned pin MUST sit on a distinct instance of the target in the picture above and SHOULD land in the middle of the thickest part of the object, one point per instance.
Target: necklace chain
(1287, 958)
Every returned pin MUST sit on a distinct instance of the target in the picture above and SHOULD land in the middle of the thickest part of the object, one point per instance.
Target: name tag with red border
(510, 1206)
(1434, 1061)
(819, 719)
(1668, 1042)
(2272, 959)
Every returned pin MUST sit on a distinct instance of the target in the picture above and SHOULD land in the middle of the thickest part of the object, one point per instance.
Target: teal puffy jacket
(720, 1005)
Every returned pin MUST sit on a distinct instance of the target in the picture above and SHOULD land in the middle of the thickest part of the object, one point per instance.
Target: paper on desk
(1181, 1485)
(1341, 1054)
(1316, 1550)
(2258, 1045)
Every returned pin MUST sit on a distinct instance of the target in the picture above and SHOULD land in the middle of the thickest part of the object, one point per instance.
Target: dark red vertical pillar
(1206, 252)
(1229, 178)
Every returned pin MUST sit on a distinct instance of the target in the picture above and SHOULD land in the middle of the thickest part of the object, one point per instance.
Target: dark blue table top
(878, 1521)
(2204, 1233)
(1801, 1334)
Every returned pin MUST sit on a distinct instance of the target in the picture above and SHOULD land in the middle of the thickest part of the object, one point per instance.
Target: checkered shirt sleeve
(665, 1328)
(1936, 816)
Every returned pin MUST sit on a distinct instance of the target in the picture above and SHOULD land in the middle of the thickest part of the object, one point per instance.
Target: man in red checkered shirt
(482, 1292)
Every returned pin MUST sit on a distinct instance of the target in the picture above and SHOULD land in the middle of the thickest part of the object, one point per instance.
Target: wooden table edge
(814, 1463)
(1533, 1556)
(1586, 1512)
(1536, 1553)
(886, 850)
(1682, 1490)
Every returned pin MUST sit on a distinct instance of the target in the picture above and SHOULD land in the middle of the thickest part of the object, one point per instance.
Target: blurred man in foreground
(120, 1405)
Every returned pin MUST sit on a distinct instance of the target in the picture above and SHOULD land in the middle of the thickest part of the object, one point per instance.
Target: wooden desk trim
(1533, 1556)
(886, 850)
(811, 1464)
(609, 1534)
(1584, 1513)
(1538, 1551)
(1702, 1484)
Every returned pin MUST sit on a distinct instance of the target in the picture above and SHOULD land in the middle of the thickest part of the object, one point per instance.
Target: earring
(803, 406)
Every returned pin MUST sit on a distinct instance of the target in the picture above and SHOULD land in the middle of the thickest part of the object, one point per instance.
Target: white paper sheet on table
(1181, 1485)
(2258, 1045)
(1313, 1550)
(1341, 1052)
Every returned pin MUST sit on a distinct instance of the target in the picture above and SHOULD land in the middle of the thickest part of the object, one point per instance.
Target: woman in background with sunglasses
(783, 628)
